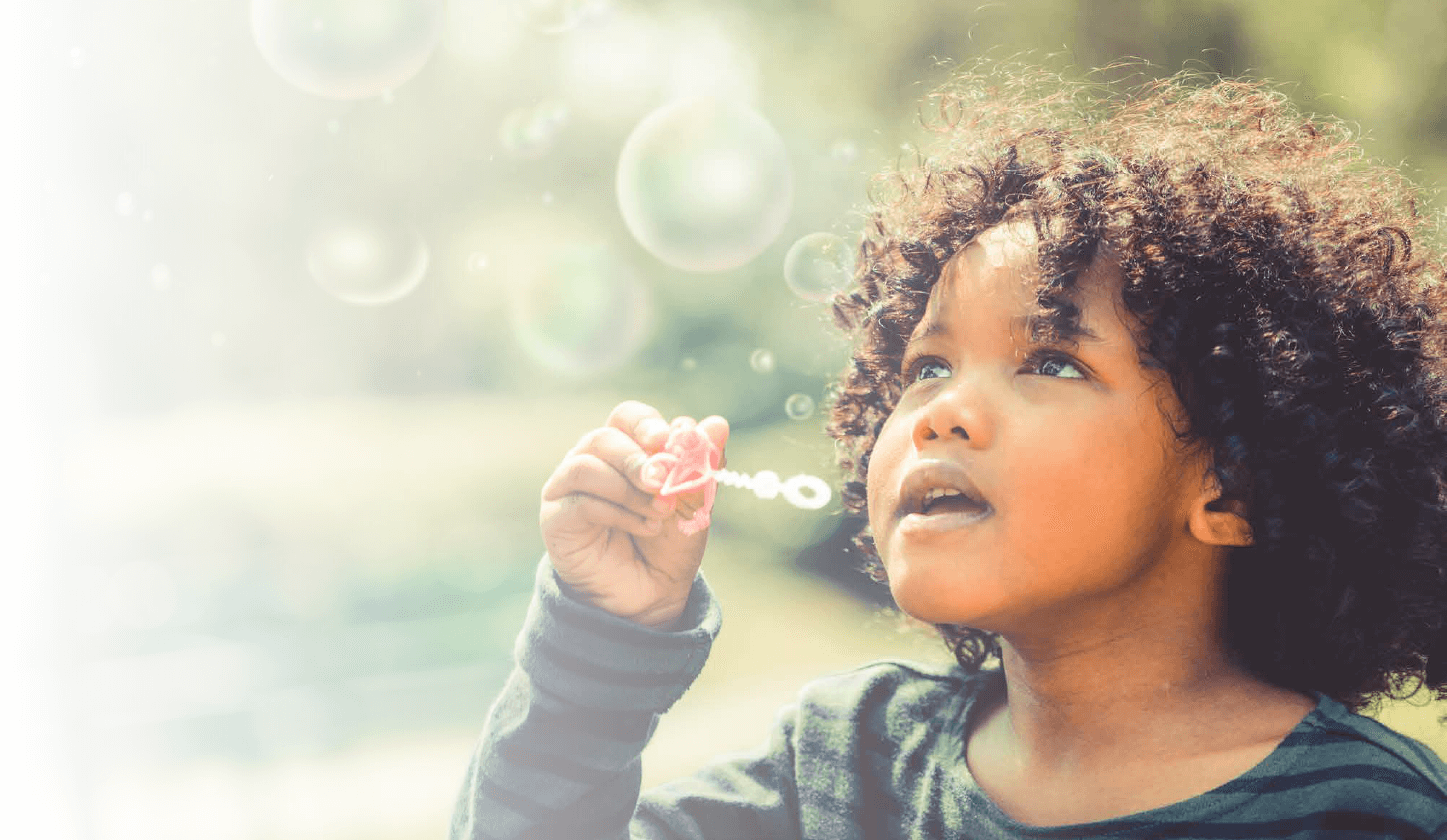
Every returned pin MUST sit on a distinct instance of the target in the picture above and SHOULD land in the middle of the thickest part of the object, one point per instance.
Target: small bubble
(146, 216)
(547, 198)
(477, 261)
(689, 363)
(387, 97)
(762, 361)
(531, 132)
(125, 204)
(334, 126)
(77, 57)
(799, 406)
(817, 266)
(161, 277)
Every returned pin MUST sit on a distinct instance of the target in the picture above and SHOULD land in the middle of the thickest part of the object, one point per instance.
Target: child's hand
(603, 532)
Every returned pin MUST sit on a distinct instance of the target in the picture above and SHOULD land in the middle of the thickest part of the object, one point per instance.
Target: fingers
(601, 513)
(717, 429)
(608, 465)
(642, 423)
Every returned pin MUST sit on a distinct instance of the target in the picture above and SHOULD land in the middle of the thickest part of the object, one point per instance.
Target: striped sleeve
(559, 752)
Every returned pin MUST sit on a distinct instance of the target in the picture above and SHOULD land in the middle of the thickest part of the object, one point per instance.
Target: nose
(955, 412)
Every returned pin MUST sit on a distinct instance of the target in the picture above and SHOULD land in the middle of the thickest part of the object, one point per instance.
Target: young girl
(1147, 413)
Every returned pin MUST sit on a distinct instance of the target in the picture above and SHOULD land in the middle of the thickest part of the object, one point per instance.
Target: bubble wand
(689, 460)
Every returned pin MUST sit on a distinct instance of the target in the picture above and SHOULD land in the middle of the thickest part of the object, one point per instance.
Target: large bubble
(366, 260)
(582, 312)
(817, 266)
(347, 49)
(705, 184)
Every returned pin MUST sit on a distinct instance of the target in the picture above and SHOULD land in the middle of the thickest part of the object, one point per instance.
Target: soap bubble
(125, 204)
(477, 261)
(161, 277)
(582, 312)
(689, 363)
(554, 16)
(762, 361)
(347, 49)
(799, 406)
(704, 184)
(817, 266)
(531, 132)
(844, 150)
(367, 260)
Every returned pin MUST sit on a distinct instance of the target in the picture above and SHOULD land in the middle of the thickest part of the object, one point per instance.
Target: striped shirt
(875, 752)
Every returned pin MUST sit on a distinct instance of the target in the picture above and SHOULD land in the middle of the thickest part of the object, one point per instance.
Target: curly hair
(1283, 281)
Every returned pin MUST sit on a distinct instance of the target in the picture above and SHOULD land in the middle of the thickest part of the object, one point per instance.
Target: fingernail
(653, 473)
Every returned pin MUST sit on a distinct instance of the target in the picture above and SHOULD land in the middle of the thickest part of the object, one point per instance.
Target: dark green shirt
(876, 753)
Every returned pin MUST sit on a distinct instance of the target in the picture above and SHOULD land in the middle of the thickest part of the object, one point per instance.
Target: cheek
(882, 480)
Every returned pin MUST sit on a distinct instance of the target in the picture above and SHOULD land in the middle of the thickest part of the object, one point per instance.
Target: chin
(937, 605)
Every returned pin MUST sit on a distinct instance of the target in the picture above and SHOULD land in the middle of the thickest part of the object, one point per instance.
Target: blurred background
(306, 298)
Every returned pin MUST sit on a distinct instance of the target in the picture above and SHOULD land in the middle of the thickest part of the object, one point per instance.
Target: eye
(1048, 363)
(917, 368)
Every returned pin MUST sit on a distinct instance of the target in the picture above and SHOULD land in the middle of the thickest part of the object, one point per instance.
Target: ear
(1218, 521)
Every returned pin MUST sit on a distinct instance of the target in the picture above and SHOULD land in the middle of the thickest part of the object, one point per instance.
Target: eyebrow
(1078, 333)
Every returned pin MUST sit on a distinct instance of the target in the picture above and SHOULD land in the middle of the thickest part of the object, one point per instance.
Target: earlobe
(1221, 522)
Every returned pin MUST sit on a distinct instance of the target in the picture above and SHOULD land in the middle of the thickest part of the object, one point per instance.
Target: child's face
(1087, 489)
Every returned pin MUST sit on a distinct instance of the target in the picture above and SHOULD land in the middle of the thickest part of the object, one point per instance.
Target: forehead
(999, 263)
(997, 273)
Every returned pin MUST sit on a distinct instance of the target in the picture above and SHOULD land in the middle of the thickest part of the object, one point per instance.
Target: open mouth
(945, 500)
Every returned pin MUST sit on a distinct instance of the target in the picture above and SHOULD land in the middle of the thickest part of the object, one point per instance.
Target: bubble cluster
(366, 260)
(582, 312)
(347, 49)
(531, 132)
(762, 361)
(799, 406)
(817, 266)
(704, 184)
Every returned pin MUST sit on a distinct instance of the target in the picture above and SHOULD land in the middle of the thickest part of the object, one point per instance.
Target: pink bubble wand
(689, 461)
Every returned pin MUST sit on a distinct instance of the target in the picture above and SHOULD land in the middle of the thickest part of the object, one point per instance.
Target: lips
(932, 475)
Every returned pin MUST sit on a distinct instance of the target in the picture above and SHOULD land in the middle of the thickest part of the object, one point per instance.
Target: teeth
(940, 493)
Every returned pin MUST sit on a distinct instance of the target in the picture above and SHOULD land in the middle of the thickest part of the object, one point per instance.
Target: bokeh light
(704, 184)
(554, 16)
(347, 49)
(799, 407)
(366, 259)
(583, 311)
(817, 266)
(844, 150)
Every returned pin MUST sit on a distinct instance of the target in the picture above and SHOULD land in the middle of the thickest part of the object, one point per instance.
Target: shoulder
(1350, 764)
